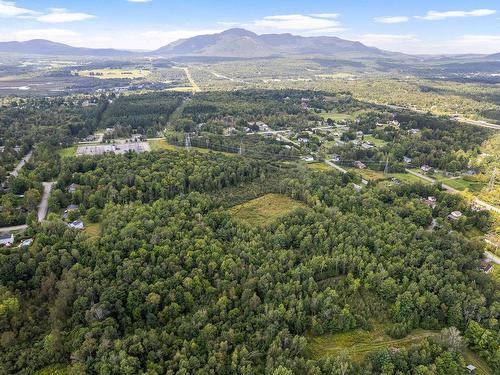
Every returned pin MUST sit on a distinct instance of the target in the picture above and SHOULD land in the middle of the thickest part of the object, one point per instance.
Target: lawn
(336, 116)
(458, 183)
(162, 144)
(93, 229)
(67, 152)
(377, 142)
(406, 177)
(368, 174)
(359, 343)
(320, 167)
(266, 209)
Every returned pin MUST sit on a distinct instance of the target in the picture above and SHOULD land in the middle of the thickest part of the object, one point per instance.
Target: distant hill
(246, 44)
(46, 47)
(495, 56)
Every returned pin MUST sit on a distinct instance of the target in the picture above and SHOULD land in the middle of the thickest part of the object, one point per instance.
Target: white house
(426, 168)
(455, 215)
(307, 158)
(6, 239)
(360, 165)
(406, 159)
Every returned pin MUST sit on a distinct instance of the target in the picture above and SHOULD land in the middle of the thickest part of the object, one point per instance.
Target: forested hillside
(175, 284)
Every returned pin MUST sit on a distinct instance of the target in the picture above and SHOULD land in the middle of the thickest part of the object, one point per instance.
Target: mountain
(46, 47)
(244, 44)
(495, 56)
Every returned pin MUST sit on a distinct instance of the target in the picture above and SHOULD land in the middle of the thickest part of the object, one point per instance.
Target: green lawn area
(320, 167)
(368, 174)
(336, 116)
(162, 144)
(68, 152)
(264, 210)
(406, 177)
(359, 343)
(377, 142)
(458, 183)
(92, 229)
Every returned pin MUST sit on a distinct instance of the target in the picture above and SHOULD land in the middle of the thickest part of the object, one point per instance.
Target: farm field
(114, 73)
(264, 210)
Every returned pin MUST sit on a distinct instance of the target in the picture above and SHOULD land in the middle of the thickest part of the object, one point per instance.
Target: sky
(409, 26)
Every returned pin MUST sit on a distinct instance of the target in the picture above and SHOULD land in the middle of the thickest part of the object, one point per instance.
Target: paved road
(21, 164)
(491, 256)
(13, 228)
(44, 204)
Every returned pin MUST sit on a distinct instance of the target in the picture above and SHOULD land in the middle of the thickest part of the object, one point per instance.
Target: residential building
(360, 165)
(77, 224)
(6, 239)
(455, 215)
(426, 168)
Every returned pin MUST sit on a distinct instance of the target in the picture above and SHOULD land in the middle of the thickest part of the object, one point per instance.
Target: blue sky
(408, 26)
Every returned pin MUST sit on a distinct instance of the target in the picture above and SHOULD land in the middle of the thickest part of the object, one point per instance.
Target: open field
(359, 343)
(377, 142)
(161, 144)
(406, 177)
(264, 210)
(114, 73)
(459, 183)
(368, 174)
(67, 152)
(320, 167)
(93, 229)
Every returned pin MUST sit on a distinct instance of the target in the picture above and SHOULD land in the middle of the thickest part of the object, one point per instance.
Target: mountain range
(232, 43)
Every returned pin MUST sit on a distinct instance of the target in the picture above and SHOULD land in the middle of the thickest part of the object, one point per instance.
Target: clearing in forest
(264, 210)
(359, 343)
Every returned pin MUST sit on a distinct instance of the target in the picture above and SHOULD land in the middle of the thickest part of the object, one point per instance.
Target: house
(413, 131)
(307, 158)
(431, 202)
(335, 158)
(359, 133)
(406, 159)
(6, 239)
(263, 127)
(360, 165)
(455, 215)
(471, 369)
(77, 224)
(486, 266)
(71, 208)
(367, 145)
(426, 168)
(27, 242)
(303, 140)
(72, 188)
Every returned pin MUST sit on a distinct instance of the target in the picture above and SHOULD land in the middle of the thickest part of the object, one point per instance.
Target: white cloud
(391, 19)
(433, 15)
(326, 15)
(61, 15)
(51, 34)
(10, 9)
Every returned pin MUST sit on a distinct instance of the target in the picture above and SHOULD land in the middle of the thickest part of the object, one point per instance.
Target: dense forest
(175, 284)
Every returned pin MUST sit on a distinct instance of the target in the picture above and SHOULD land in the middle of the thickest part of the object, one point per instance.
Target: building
(27, 242)
(486, 266)
(72, 188)
(431, 201)
(71, 208)
(307, 158)
(6, 239)
(335, 158)
(303, 140)
(357, 187)
(426, 168)
(406, 159)
(77, 224)
(360, 165)
(471, 369)
(367, 145)
(455, 215)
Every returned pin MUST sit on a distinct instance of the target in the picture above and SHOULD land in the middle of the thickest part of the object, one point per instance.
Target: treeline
(175, 284)
(145, 114)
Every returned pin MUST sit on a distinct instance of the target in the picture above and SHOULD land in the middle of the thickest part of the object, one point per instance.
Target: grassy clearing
(406, 177)
(93, 229)
(114, 73)
(320, 167)
(377, 142)
(368, 174)
(459, 183)
(266, 209)
(336, 116)
(161, 144)
(68, 152)
(359, 343)
(482, 367)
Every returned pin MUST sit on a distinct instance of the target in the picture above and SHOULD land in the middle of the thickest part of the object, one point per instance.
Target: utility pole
(386, 169)
(491, 184)
(240, 151)
(188, 142)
